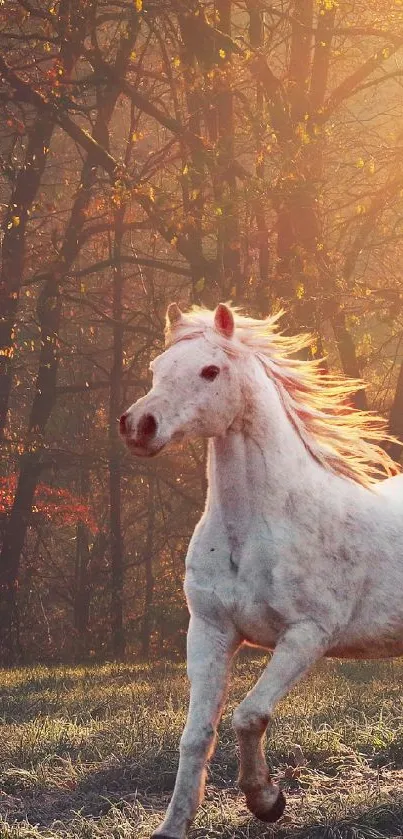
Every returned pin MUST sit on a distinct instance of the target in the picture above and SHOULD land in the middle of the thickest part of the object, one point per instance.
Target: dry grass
(92, 751)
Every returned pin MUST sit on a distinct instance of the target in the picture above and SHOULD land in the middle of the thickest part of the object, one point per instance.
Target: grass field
(92, 752)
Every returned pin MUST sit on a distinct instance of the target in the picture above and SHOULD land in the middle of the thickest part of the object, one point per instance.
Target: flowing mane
(343, 439)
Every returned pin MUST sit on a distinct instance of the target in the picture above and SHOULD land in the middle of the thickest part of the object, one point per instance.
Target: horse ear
(173, 314)
(224, 320)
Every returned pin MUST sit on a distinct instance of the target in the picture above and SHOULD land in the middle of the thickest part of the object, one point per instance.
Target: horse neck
(261, 459)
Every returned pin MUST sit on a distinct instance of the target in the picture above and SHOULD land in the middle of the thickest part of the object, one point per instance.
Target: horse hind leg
(297, 651)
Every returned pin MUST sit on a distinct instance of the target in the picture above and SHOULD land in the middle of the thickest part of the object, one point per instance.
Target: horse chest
(219, 584)
(255, 616)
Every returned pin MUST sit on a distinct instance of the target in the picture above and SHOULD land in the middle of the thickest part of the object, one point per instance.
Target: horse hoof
(275, 812)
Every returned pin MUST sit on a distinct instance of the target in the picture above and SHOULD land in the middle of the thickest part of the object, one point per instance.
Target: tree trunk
(263, 292)
(396, 418)
(300, 58)
(348, 357)
(13, 249)
(115, 397)
(149, 576)
(82, 584)
(26, 188)
(228, 244)
(49, 316)
(193, 172)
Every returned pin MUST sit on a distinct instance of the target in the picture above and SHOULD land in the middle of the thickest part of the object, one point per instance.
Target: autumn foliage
(52, 504)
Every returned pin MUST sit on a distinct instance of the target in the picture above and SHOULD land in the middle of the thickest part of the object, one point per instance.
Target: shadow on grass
(48, 692)
(121, 781)
(384, 820)
(116, 789)
(92, 797)
(46, 689)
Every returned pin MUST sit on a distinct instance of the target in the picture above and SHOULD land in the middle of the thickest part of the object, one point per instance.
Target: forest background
(170, 150)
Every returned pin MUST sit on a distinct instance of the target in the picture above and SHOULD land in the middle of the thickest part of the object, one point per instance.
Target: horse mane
(345, 440)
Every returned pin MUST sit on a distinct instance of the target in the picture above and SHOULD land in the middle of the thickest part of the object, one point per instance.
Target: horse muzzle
(141, 437)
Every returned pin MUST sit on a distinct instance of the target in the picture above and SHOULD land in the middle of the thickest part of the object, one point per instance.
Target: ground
(92, 752)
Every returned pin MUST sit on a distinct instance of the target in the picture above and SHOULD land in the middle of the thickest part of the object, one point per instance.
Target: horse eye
(210, 372)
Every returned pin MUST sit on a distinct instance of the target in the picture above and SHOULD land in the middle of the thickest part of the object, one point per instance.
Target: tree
(152, 152)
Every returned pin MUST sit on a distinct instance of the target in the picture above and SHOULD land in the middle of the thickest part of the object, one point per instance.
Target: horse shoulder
(207, 586)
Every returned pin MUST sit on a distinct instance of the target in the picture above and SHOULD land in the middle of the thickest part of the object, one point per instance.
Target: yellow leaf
(360, 163)
(300, 290)
(200, 284)
(139, 5)
(222, 53)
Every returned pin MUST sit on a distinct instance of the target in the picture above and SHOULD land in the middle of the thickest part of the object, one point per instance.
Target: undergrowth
(92, 752)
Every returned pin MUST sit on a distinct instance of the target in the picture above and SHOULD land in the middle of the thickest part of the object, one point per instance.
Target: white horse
(299, 550)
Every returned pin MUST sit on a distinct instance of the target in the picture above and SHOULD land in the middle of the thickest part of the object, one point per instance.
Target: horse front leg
(209, 654)
(293, 656)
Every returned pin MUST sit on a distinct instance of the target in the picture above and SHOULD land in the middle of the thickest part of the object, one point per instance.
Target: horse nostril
(122, 424)
(147, 427)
